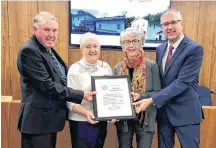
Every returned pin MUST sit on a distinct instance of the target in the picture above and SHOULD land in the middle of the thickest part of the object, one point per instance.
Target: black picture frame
(114, 102)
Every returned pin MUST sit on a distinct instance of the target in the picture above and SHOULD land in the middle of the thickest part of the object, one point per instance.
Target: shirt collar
(175, 45)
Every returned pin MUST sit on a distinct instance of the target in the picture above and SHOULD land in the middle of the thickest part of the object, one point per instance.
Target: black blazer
(44, 94)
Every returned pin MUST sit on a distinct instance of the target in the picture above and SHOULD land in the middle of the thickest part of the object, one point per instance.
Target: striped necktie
(59, 67)
(169, 56)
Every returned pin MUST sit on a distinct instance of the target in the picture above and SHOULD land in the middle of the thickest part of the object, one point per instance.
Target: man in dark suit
(179, 108)
(44, 86)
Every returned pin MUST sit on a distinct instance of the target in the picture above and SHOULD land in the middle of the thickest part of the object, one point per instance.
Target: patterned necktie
(59, 67)
(169, 56)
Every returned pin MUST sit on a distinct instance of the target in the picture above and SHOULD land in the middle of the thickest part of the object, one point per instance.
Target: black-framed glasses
(173, 22)
(128, 42)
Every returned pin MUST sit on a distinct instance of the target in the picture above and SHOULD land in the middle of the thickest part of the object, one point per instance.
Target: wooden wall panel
(5, 52)
(207, 37)
(15, 136)
(20, 16)
(190, 15)
(64, 138)
(199, 20)
(206, 26)
(5, 120)
(208, 128)
(112, 57)
(9, 127)
(196, 25)
(150, 54)
(60, 10)
(111, 140)
(73, 56)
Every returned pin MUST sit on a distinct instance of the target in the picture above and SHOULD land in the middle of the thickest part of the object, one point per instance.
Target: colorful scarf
(139, 73)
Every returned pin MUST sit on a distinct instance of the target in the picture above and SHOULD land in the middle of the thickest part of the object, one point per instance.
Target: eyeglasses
(173, 22)
(127, 42)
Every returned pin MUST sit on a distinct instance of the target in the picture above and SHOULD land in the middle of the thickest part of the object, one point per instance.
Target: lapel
(177, 52)
(48, 57)
(161, 51)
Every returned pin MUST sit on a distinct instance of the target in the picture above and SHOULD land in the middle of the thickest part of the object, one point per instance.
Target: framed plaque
(113, 99)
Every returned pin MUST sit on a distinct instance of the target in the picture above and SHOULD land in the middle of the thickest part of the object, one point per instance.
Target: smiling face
(172, 26)
(131, 45)
(91, 50)
(47, 33)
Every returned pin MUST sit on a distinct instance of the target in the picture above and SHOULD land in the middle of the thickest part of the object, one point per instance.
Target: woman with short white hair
(85, 131)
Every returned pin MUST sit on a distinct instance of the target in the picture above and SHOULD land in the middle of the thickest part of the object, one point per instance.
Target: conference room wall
(199, 24)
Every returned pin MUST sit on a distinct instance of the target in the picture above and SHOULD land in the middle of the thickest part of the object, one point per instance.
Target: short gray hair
(87, 36)
(134, 32)
(42, 17)
(174, 11)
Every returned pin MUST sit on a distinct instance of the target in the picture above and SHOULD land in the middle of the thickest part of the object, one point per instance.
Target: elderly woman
(145, 80)
(85, 131)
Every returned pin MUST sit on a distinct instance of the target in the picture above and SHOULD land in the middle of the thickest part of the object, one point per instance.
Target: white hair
(42, 17)
(87, 36)
(134, 32)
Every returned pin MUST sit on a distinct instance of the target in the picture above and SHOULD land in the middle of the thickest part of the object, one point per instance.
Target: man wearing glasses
(178, 104)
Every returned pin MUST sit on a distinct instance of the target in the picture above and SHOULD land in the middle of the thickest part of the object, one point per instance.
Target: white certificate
(113, 99)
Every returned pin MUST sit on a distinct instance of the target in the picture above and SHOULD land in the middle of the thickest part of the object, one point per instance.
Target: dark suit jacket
(179, 96)
(44, 94)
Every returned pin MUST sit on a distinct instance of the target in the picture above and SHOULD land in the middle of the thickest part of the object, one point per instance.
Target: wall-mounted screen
(107, 18)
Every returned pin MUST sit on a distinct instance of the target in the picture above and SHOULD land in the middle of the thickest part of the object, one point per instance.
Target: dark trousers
(143, 138)
(86, 135)
(188, 135)
(38, 140)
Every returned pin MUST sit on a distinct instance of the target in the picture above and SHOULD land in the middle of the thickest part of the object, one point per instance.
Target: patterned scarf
(139, 73)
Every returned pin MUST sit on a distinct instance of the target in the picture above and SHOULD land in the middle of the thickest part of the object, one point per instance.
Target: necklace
(85, 67)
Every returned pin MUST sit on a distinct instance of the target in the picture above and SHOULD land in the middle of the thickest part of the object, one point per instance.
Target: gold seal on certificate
(113, 99)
